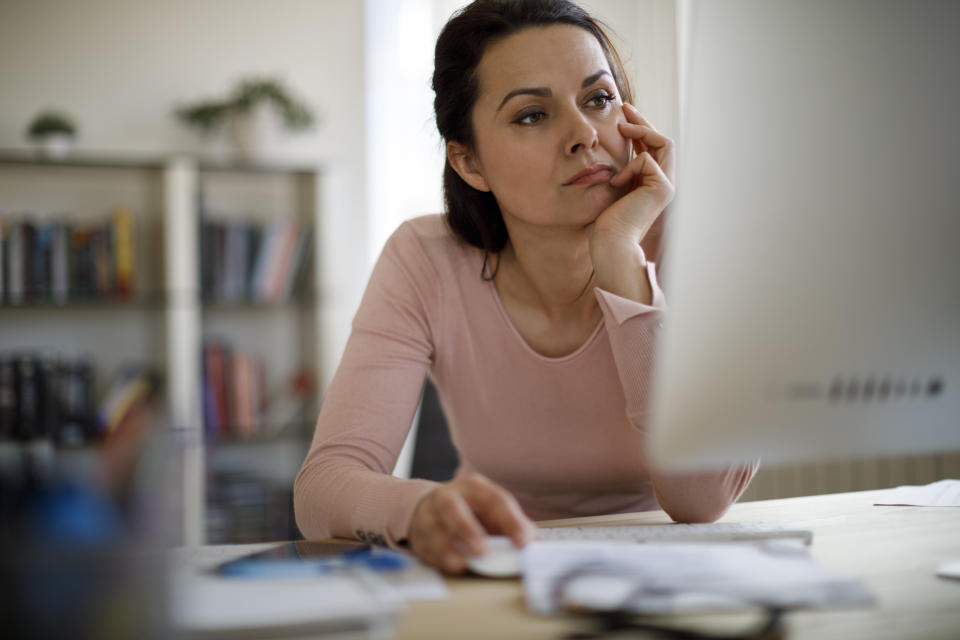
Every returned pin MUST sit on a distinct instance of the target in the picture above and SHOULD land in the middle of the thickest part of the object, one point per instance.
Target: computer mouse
(501, 559)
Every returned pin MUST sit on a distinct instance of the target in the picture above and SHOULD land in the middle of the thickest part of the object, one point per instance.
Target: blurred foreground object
(84, 531)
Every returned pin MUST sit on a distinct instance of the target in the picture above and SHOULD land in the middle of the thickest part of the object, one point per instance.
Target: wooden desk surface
(895, 550)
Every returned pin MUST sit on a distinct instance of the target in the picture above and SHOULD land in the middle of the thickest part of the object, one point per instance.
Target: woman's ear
(465, 164)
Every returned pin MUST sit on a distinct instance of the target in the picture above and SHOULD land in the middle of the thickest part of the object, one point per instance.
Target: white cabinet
(275, 339)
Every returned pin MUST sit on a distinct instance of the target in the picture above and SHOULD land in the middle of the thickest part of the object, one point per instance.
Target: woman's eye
(531, 117)
(600, 100)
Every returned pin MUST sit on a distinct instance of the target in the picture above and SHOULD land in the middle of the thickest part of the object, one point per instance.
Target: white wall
(120, 67)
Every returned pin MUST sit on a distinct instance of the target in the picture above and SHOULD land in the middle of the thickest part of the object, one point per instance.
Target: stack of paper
(944, 493)
(687, 577)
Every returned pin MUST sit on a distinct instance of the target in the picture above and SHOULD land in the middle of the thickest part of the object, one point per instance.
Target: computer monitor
(812, 262)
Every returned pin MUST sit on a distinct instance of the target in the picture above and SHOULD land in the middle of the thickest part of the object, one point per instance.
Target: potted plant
(206, 117)
(53, 132)
(257, 112)
(261, 109)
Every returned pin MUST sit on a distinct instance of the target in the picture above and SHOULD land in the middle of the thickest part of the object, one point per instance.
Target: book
(207, 231)
(244, 425)
(28, 398)
(298, 263)
(217, 361)
(255, 235)
(3, 260)
(133, 384)
(28, 237)
(82, 278)
(15, 261)
(9, 410)
(100, 251)
(266, 256)
(235, 258)
(123, 251)
(60, 264)
(41, 259)
(77, 422)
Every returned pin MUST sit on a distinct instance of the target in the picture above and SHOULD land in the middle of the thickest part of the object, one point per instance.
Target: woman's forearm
(702, 497)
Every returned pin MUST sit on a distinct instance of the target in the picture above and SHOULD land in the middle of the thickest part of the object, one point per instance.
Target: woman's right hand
(452, 522)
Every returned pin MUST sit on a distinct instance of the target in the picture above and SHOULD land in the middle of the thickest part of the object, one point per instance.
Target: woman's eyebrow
(593, 78)
(541, 92)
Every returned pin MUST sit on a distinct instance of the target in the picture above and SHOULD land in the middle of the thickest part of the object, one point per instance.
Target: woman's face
(545, 126)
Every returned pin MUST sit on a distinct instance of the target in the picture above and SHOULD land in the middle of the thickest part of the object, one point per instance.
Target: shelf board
(211, 166)
(151, 162)
(139, 303)
(226, 306)
(79, 160)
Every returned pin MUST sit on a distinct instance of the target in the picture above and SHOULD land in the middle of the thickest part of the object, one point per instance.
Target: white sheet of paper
(944, 493)
(203, 603)
(206, 604)
(689, 577)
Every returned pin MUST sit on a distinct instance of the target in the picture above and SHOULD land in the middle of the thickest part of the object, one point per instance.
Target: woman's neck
(550, 270)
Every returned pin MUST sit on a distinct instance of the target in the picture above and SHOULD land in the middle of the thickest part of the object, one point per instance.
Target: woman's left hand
(634, 220)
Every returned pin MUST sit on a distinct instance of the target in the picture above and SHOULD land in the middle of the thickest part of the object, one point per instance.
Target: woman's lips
(592, 175)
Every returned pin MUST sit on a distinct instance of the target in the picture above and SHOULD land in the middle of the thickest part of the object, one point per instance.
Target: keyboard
(698, 532)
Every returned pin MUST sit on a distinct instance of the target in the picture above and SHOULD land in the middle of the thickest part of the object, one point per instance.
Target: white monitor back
(813, 256)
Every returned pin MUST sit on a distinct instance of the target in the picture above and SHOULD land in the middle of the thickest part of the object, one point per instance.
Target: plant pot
(256, 133)
(55, 146)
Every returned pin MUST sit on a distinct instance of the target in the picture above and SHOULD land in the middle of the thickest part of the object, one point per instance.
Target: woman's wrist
(621, 267)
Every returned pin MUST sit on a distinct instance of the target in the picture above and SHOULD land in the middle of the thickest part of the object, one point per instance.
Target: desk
(895, 550)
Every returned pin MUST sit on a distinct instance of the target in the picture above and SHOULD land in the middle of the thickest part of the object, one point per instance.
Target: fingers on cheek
(631, 112)
(629, 172)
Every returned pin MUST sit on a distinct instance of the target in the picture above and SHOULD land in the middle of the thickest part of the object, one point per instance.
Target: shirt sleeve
(632, 328)
(344, 487)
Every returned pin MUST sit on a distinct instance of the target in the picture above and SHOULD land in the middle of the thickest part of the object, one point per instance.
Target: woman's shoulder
(430, 238)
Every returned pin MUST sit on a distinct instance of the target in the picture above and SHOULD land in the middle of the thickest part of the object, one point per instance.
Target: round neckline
(498, 303)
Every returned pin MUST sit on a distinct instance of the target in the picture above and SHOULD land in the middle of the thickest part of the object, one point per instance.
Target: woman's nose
(581, 135)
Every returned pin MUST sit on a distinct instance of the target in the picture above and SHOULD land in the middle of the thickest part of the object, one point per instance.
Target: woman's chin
(599, 200)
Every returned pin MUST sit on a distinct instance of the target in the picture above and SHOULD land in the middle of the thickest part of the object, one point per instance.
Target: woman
(531, 304)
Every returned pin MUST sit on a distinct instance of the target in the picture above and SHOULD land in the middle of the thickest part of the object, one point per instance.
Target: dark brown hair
(473, 215)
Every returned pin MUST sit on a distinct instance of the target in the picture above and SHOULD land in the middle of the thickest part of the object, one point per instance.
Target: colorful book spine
(280, 261)
(131, 386)
(123, 251)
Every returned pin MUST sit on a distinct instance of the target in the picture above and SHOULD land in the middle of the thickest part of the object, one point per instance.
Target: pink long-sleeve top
(563, 435)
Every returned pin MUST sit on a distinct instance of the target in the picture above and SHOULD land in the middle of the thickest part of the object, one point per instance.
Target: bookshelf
(170, 313)
(261, 330)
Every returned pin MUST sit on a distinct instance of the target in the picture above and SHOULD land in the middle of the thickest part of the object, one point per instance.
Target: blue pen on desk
(380, 560)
